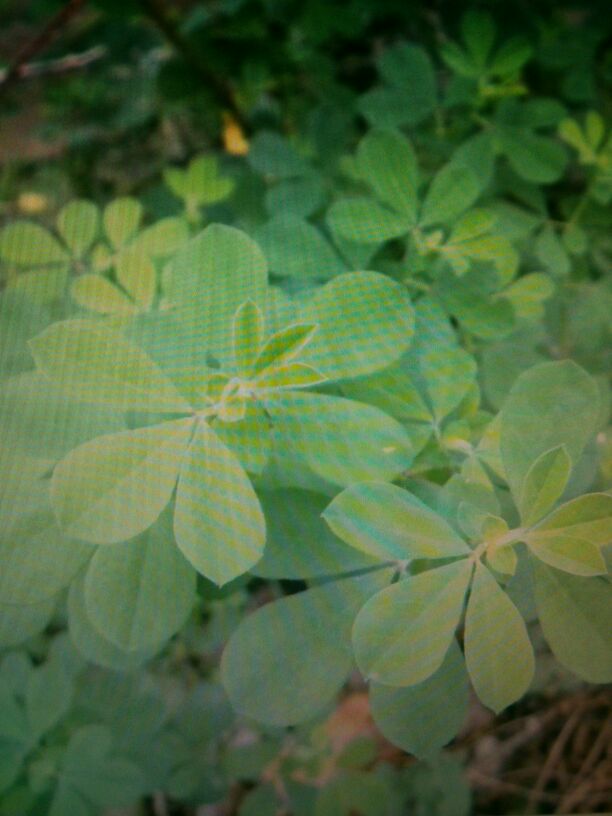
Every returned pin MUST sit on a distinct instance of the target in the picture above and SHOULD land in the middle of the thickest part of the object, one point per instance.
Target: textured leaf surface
(498, 652)
(218, 522)
(402, 634)
(93, 363)
(387, 522)
(114, 487)
(575, 614)
(421, 719)
(140, 593)
(288, 659)
(365, 322)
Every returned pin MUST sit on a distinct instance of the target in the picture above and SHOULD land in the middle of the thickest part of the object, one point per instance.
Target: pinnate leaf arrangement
(360, 385)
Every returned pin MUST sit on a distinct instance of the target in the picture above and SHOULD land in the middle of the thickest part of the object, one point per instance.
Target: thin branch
(39, 43)
(62, 65)
(157, 13)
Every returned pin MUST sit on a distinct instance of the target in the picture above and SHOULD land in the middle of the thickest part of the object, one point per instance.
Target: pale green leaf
(136, 273)
(403, 633)
(209, 278)
(138, 594)
(281, 665)
(249, 438)
(550, 404)
(365, 322)
(575, 615)
(162, 238)
(115, 486)
(299, 544)
(78, 223)
(38, 561)
(98, 294)
(421, 719)
(544, 484)
(386, 161)
(27, 244)
(284, 346)
(218, 522)
(90, 643)
(290, 375)
(204, 184)
(574, 555)
(93, 363)
(121, 219)
(528, 293)
(387, 522)
(498, 652)
(340, 440)
(587, 517)
(248, 330)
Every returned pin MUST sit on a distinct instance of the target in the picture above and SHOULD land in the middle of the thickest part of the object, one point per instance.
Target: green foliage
(328, 409)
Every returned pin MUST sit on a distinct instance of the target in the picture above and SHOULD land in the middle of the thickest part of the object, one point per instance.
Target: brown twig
(62, 65)
(157, 13)
(553, 758)
(39, 43)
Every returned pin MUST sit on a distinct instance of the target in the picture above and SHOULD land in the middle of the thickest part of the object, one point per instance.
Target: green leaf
(549, 405)
(40, 421)
(281, 665)
(248, 331)
(454, 188)
(297, 249)
(218, 522)
(90, 643)
(498, 652)
(115, 486)
(365, 322)
(587, 517)
(19, 623)
(209, 278)
(140, 593)
(37, 560)
(93, 363)
(544, 484)
(446, 370)
(203, 183)
(338, 439)
(136, 273)
(299, 544)
(296, 197)
(511, 57)
(423, 718)
(290, 375)
(386, 161)
(98, 294)
(121, 219)
(573, 555)
(162, 238)
(272, 155)
(534, 158)
(402, 634)
(575, 615)
(29, 245)
(283, 346)
(387, 522)
(570, 537)
(249, 438)
(48, 696)
(528, 293)
(351, 792)
(91, 766)
(365, 221)
(78, 223)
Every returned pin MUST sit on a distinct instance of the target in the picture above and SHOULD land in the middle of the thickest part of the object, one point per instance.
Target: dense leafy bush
(339, 401)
